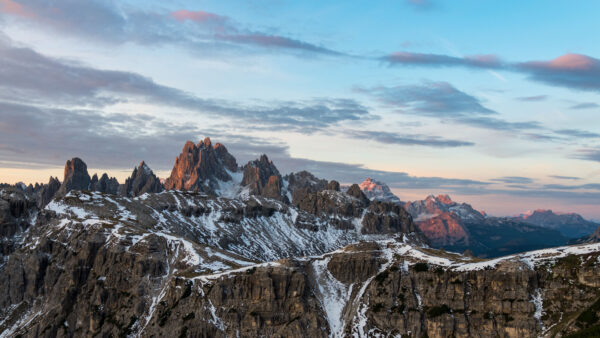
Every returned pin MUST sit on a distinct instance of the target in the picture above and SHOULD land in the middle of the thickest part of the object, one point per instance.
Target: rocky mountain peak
(445, 199)
(262, 178)
(104, 184)
(200, 167)
(142, 180)
(76, 176)
(356, 192)
(48, 191)
(379, 191)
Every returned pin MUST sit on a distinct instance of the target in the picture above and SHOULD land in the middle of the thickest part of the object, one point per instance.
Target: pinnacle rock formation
(48, 191)
(263, 179)
(200, 167)
(76, 177)
(142, 180)
(104, 184)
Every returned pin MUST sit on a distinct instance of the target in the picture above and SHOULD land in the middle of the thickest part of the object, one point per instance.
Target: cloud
(532, 98)
(569, 70)
(436, 99)
(513, 180)
(439, 60)
(588, 154)
(35, 79)
(576, 133)
(590, 186)
(559, 177)
(405, 139)
(575, 71)
(585, 105)
(196, 30)
(493, 123)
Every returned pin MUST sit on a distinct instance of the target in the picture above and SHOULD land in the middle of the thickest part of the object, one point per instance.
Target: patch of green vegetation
(571, 261)
(590, 315)
(437, 311)
(380, 278)
(421, 267)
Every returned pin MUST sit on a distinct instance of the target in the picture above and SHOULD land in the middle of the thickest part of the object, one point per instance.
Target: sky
(495, 103)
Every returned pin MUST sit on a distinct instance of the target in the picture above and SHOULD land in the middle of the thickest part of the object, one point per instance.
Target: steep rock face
(386, 218)
(17, 209)
(378, 191)
(262, 178)
(141, 181)
(200, 167)
(433, 206)
(301, 184)
(104, 184)
(48, 191)
(76, 177)
(445, 230)
(570, 225)
(226, 158)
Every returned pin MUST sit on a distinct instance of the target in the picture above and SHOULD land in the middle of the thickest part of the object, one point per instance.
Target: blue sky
(495, 103)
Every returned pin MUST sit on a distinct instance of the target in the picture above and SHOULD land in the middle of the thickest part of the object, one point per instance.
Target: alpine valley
(223, 250)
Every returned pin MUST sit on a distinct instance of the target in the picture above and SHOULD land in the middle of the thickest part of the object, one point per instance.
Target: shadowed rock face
(48, 191)
(200, 167)
(263, 179)
(301, 184)
(104, 184)
(76, 177)
(142, 180)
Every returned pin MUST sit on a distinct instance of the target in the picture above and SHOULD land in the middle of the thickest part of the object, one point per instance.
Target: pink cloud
(572, 62)
(14, 8)
(197, 16)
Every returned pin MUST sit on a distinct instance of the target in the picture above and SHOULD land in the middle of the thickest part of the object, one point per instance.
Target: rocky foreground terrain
(226, 251)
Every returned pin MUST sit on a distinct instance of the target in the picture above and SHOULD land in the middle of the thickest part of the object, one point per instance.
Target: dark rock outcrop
(142, 181)
(48, 191)
(301, 184)
(76, 177)
(262, 178)
(333, 185)
(17, 208)
(104, 184)
(200, 167)
(356, 192)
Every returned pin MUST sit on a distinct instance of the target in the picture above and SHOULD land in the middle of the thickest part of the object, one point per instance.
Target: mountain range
(459, 227)
(223, 250)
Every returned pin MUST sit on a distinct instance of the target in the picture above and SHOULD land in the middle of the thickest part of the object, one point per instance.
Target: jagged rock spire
(76, 177)
(142, 180)
(200, 167)
(263, 179)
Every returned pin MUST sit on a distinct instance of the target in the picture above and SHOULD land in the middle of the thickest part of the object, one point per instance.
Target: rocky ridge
(237, 257)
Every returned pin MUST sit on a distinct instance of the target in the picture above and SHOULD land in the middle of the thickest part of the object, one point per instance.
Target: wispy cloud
(560, 177)
(68, 84)
(585, 105)
(575, 71)
(437, 99)
(535, 98)
(513, 180)
(112, 23)
(588, 154)
(590, 186)
(406, 139)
